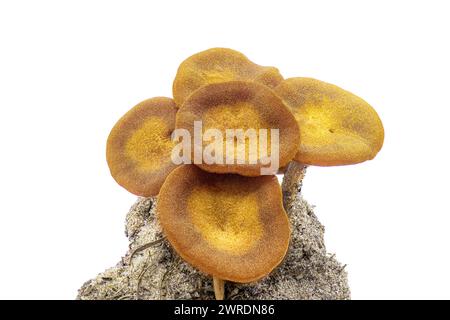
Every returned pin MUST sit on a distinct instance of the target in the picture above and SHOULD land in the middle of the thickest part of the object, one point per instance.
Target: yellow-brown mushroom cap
(241, 105)
(219, 65)
(228, 226)
(336, 126)
(139, 146)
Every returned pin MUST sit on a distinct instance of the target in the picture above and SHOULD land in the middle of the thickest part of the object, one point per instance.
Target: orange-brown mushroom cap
(246, 106)
(219, 65)
(139, 146)
(336, 126)
(228, 226)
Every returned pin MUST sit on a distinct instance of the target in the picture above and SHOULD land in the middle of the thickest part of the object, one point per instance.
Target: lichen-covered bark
(307, 272)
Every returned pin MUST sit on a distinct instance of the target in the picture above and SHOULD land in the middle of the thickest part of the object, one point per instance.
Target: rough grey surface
(308, 271)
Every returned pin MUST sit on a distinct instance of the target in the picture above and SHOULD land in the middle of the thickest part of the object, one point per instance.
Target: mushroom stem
(292, 182)
(219, 288)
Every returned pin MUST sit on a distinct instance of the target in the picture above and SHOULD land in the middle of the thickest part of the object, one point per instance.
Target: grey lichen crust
(156, 272)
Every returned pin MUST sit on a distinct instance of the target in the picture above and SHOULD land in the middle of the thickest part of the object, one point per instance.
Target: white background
(69, 70)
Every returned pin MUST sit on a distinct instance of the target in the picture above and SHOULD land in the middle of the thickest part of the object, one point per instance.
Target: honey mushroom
(228, 219)
(229, 226)
(219, 65)
(240, 105)
(139, 146)
(336, 128)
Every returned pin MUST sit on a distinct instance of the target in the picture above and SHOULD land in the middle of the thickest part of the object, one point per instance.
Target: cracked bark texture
(307, 272)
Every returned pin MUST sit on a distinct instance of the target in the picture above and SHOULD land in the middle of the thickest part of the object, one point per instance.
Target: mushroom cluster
(227, 218)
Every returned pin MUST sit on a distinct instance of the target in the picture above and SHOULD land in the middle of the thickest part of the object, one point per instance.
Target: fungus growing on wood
(228, 226)
(226, 216)
(219, 65)
(336, 126)
(245, 106)
(139, 146)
